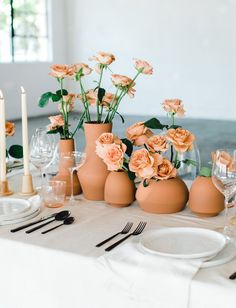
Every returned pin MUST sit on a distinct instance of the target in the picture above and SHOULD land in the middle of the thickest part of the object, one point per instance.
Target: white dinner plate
(22, 219)
(185, 243)
(11, 208)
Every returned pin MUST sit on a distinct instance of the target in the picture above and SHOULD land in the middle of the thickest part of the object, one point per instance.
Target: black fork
(126, 229)
(137, 231)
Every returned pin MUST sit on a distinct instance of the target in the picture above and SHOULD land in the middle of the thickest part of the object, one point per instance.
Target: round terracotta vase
(119, 189)
(163, 197)
(67, 146)
(93, 173)
(204, 198)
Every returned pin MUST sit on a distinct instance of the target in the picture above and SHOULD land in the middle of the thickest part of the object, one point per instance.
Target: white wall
(191, 44)
(34, 76)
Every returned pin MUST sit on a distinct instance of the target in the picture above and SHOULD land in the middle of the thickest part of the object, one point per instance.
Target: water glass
(53, 194)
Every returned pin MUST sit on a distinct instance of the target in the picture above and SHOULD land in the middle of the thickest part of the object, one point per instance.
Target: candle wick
(22, 90)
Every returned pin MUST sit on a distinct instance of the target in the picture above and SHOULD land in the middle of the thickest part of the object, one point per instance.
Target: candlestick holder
(27, 186)
(4, 190)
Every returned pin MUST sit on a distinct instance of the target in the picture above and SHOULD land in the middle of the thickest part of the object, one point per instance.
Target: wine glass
(42, 147)
(224, 178)
(73, 160)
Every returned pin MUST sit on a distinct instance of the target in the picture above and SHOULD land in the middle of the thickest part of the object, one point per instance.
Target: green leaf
(44, 99)
(189, 162)
(101, 93)
(54, 131)
(205, 171)
(129, 145)
(145, 183)
(55, 97)
(64, 92)
(175, 126)
(154, 124)
(131, 175)
(16, 151)
(122, 119)
(177, 164)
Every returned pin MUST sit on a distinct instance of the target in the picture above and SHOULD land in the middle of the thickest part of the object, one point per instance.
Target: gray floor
(211, 134)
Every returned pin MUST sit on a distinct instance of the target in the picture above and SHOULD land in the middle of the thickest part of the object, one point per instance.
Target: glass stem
(227, 226)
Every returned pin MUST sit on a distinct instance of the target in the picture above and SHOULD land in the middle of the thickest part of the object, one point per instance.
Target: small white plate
(184, 243)
(10, 208)
(22, 219)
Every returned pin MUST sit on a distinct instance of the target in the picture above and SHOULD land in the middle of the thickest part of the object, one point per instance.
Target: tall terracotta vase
(67, 146)
(119, 189)
(93, 173)
(163, 197)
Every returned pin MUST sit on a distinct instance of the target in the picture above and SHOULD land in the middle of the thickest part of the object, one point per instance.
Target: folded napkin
(154, 280)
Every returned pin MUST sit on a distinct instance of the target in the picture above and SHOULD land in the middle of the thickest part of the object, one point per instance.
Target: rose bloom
(107, 139)
(157, 143)
(144, 66)
(142, 163)
(56, 121)
(138, 133)
(181, 138)
(103, 58)
(59, 70)
(69, 101)
(174, 106)
(114, 155)
(121, 80)
(9, 129)
(75, 68)
(165, 170)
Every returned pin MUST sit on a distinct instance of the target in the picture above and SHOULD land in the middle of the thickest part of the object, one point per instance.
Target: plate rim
(21, 200)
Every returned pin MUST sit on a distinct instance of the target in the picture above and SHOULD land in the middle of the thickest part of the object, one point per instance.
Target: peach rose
(121, 80)
(157, 143)
(75, 68)
(69, 101)
(165, 170)
(143, 66)
(174, 106)
(103, 58)
(91, 97)
(9, 129)
(56, 121)
(142, 163)
(138, 133)
(107, 139)
(59, 70)
(114, 156)
(181, 138)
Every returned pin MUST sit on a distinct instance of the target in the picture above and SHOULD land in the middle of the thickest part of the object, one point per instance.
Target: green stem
(171, 153)
(173, 119)
(65, 132)
(111, 106)
(176, 158)
(84, 101)
(99, 116)
(80, 123)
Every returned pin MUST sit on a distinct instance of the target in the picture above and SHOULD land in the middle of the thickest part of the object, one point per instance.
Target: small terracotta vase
(67, 146)
(204, 198)
(93, 173)
(119, 189)
(163, 197)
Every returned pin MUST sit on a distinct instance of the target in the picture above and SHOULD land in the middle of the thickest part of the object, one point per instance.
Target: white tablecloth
(61, 269)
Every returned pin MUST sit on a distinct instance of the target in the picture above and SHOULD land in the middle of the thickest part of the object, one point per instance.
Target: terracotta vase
(163, 197)
(67, 146)
(119, 189)
(93, 173)
(204, 198)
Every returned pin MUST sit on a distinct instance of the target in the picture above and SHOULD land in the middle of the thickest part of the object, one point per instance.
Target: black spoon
(67, 221)
(59, 216)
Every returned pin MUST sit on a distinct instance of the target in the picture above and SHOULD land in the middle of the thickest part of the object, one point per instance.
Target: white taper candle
(2, 139)
(25, 141)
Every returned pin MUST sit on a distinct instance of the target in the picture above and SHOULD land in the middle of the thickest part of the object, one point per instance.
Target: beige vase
(67, 146)
(204, 198)
(93, 173)
(119, 189)
(163, 197)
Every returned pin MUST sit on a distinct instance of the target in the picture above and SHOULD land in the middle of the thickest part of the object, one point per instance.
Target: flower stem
(84, 101)
(99, 116)
(65, 131)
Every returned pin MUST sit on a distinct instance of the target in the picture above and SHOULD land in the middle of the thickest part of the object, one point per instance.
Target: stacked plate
(189, 243)
(14, 210)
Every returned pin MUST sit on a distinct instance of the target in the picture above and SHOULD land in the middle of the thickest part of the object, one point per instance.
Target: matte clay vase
(93, 173)
(163, 197)
(119, 189)
(205, 200)
(67, 146)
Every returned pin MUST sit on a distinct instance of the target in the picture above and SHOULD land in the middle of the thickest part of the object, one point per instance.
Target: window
(24, 31)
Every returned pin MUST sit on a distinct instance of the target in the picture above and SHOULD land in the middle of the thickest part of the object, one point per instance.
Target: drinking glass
(53, 194)
(224, 178)
(42, 147)
(73, 160)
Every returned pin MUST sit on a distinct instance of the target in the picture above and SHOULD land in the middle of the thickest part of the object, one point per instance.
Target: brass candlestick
(4, 190)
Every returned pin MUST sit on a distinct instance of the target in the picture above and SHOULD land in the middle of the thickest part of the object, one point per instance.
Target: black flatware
(233, 276)
(67, 221)
(33, 223)
(137, 231)
(126, 229)
(59, 216)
